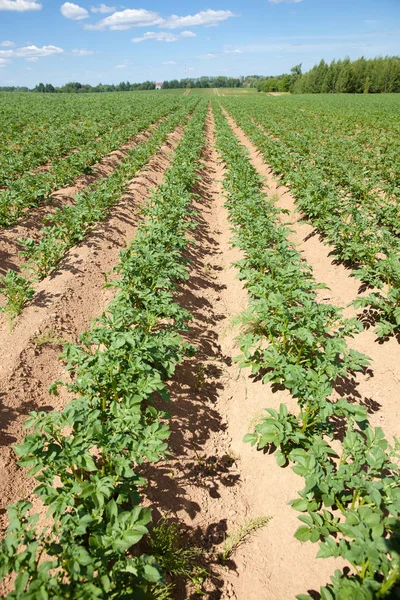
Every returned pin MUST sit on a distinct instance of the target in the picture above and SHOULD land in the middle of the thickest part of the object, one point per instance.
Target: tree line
(368, 76)
(125, 86)
(361, 76)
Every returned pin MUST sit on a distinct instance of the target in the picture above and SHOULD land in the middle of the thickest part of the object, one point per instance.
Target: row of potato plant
(363, 231)
(359, 160)
(355, 156)
(32, 188)
(70, 223)
(37, 149)
(357, 184)
(94, 542)
(351, 500)
(37, 129)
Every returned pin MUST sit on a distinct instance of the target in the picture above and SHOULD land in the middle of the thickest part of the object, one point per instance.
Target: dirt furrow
(379, 387)
(30, 225)
(62, 308)
(215, 483)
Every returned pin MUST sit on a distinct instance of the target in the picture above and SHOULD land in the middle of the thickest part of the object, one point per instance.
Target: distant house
(159, 85)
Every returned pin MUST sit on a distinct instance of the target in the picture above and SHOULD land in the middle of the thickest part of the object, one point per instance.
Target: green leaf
(303, 534)
(152, 574)
(300, 504)
(250, 438)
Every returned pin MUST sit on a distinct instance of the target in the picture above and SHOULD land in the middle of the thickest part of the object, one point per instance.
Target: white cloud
(3, 62)
(20, 5)
(31, 53)
(32, 59)
(284, 1)
(122, 66)
(208, 18)
(7, 44)
(236, 51)
(210, 55)
(169, 62)
(162, 36)
(81, 52)
(103, 8)
(126, 19)
(72, 11)
(34, 51)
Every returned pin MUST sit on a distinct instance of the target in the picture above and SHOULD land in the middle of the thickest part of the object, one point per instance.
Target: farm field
(220, 272)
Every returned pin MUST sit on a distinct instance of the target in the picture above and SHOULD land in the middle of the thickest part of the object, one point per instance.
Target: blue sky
(56, 42)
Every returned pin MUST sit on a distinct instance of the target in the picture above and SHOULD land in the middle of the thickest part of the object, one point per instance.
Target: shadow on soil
(18, 402)
(196, 461)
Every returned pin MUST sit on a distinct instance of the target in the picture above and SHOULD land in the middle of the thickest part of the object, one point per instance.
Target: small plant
(232, 456)
(49, 336)
(200, 377)
(238, 536)
(176, 559)
(18, 291)
(255, 420)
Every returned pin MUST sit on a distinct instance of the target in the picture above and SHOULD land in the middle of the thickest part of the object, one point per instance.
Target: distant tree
(329, 82)
(204, 82)
(271, 85)
(367, 85)
(72, 88)
(346, 83)
(296, 70)
(13, 88)
(285, 83)
(360, 76)
(296, 74)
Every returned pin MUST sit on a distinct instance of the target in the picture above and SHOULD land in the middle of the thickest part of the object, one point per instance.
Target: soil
(213, 483)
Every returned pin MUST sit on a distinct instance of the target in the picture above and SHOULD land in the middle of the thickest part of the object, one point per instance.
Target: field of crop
(220, 272)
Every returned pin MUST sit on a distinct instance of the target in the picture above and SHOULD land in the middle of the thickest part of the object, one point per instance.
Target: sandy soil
(62, 308)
